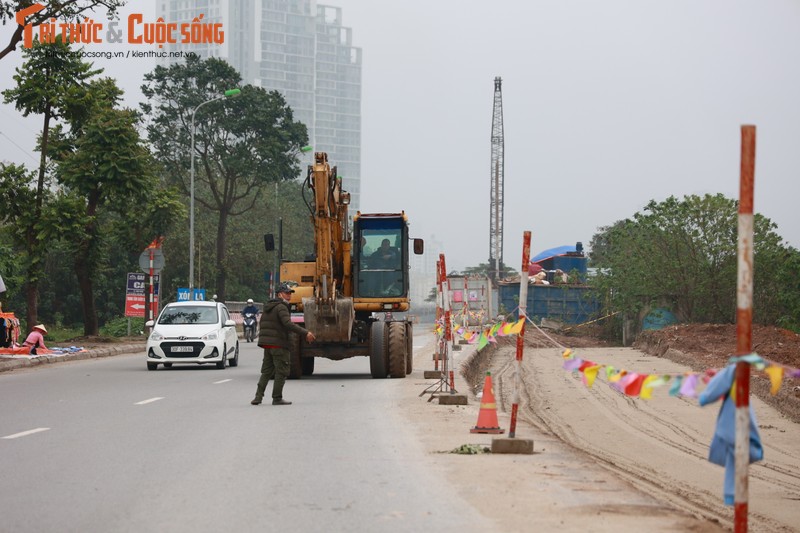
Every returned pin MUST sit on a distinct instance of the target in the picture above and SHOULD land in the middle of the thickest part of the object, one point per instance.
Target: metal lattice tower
(496, 201)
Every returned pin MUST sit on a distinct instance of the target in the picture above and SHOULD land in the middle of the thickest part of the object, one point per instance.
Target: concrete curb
(8, 364)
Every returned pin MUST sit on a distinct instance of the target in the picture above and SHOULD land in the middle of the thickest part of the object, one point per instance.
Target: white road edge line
(151, 400)
(222, 381)
(26, 433)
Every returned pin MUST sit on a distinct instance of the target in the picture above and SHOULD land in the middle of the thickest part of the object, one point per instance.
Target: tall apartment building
(301, 49)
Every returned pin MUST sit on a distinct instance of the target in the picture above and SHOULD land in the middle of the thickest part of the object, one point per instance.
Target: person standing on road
(276, 324)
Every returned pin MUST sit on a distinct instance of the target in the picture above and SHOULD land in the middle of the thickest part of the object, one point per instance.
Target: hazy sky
(607, 105)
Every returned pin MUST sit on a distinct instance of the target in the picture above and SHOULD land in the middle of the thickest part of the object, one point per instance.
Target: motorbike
(249, 325)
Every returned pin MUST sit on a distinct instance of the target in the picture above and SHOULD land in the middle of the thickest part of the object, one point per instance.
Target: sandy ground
(602, 461)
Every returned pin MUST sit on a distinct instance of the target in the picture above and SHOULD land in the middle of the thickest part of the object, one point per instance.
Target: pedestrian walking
(275, 326)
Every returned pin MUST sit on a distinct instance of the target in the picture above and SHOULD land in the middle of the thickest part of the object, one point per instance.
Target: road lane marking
(222, 381)
(26, 433)
(151, 400)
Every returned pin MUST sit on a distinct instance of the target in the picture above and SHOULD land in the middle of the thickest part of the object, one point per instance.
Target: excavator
(350, 290)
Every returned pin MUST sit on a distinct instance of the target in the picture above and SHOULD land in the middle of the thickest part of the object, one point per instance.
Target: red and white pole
(152, 291)
(744, 326)
(523, 306)
(448, 327)
(439, 316)
(465, 304)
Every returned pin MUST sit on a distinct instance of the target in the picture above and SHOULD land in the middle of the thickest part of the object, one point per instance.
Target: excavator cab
(380, 256)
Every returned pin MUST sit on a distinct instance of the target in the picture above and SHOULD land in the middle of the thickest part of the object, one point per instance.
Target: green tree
(70, 10)
(683, 254)
(241, 144)
(104, 169)
(19, 224)
(50, 83)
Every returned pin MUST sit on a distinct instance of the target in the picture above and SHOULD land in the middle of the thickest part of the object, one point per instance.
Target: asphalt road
(105, 445)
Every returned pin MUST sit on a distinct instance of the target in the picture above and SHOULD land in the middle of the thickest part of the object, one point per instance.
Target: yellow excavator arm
(329, 312)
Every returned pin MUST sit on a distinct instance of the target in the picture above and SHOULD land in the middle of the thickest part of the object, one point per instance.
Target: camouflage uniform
(275, 326)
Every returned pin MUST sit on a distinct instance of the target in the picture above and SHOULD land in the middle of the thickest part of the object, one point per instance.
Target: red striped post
(465, 303)
(744, 326)
(523, 306)
(152, 291)
(439, 313)
(448, 327)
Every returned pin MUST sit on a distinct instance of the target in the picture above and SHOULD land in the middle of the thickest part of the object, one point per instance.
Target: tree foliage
(103, 168)
(97, 201)
(50, 83)
(682, 254)
(241, 143)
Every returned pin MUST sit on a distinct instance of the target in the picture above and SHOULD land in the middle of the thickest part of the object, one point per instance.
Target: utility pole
(496, 180)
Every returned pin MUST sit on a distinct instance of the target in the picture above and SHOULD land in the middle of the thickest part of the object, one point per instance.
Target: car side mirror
(269, 242)
(149, 324)
(230, 323)
(419, 246)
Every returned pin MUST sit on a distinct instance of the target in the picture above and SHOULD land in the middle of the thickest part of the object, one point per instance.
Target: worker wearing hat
(275, 326)
(35, 339)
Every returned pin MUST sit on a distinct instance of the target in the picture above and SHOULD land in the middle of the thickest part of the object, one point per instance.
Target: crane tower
(496, 201)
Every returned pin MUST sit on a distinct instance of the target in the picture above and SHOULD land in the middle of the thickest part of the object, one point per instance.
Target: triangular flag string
(684, 384)
(631, 383)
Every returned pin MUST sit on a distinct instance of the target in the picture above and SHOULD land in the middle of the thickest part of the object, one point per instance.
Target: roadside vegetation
(681, 254)
(113, 179)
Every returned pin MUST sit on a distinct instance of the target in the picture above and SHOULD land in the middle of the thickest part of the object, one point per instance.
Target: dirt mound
(715, 343)
(708, 346)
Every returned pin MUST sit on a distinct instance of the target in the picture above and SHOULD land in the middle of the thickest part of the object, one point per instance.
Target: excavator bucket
(329, 322)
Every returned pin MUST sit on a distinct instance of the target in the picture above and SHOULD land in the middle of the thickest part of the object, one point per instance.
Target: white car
(195, 332)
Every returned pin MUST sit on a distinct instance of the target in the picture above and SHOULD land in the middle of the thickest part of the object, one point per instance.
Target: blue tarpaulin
(553, 252)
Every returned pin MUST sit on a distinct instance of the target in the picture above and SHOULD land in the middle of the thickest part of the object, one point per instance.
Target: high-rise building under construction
(301, 49)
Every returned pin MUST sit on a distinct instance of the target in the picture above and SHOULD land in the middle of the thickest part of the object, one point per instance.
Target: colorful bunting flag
(675, 389)
(648, 385)
(634, 384)
(482, 341)
(517, 327)
(775, 374)
(688, 387)
(590, 374)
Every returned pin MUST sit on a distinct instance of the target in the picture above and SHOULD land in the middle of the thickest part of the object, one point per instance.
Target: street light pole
(231, 92)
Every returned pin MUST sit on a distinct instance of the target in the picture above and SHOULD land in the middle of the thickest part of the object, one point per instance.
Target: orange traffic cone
(487, 417)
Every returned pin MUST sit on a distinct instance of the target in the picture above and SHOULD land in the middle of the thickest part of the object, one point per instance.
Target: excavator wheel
(295, 361)
(398, 348)
(409, 348)
(377, 350)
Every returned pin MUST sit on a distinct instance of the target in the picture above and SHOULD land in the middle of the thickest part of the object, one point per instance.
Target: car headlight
(210, 336)
(156, 336)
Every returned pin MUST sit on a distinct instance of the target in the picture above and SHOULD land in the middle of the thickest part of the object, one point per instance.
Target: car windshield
(187, 314)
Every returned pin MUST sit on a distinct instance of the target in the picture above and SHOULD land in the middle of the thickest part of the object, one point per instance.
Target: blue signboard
(184, 294)
(137, 283)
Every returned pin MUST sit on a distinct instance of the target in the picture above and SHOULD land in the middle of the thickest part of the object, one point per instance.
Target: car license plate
(182, 349)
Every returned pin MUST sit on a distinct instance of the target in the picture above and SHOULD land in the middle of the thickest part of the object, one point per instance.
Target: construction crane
(496, 201)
